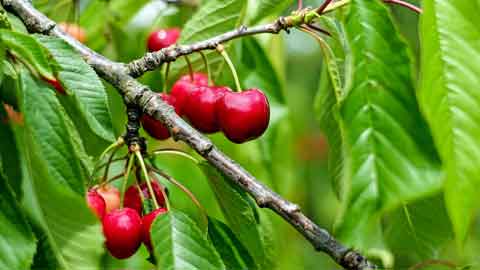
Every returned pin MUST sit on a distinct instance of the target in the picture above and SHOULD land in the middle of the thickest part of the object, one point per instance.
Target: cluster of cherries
(241, 116)
(125, 228)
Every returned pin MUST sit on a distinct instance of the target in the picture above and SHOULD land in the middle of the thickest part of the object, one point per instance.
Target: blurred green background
(291, 158)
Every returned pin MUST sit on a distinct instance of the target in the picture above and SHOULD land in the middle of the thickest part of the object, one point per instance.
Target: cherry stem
(137, 185)
(165, 79)
(186, 191)
(318, 29)
(190, 67)
(300, 4)
(207, 67)
(323, 6)
(113, 161)
(175, 152)
(111, 147)
(405, 4)
(125, 180)
(147, 178)
(120, 175)
(107, 167)
(225, 56)
(162, 190)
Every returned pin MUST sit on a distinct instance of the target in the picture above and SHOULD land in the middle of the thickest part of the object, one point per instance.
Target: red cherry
(132, 196)
(163, 38)
(147, 221)
(199, 79)
(200, 108)
(154, 127)
(56, 84)
(184, 86)
(96, 203)
(243, 116)
(111, 195)
(123, 232)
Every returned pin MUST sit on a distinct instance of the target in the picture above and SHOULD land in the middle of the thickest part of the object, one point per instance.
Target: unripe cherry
(163, 38)
(243, 116)
(132, 196)
(111, 195)
(74, 30)
(123, 232)
(147, 221)
(96, 203)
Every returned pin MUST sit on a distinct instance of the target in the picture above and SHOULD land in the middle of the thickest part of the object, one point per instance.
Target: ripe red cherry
(111, 195)
(163, 38)
(184, 86)
(132, 196)
(147, 221)
(200, 107)
(96, 203)
(123, 232)
(154, 127)
(243, 116)
(199, 79)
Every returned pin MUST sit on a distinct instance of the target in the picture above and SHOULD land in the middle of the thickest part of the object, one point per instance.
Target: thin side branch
(154, 60)
(119, 75)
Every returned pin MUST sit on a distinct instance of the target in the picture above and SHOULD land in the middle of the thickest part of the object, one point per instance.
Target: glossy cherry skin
(154, 127)
(147, 221)
(243, 116)
(184, 86)
(74, 30)
(163, 38)
(132, 196)
(111, 195)
(200, 108)
(199, 79)
(123, 232)
(96, 203)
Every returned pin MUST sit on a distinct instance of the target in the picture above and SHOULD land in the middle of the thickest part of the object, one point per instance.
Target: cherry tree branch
(120, 76)
(153, 60)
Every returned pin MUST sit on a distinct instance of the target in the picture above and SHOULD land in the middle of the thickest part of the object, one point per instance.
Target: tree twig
(119, 75)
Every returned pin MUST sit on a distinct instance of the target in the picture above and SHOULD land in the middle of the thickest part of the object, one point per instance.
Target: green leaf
(55, 182)
(231, 250)
(17, 243)
(257, 71)
(329, 96)
(179, 244)
(9, 156)
(410, 234)
(86, 100)
(212, 18)
(29, 50)
(450, 100)
(391, 156)
(46, 120)
(264, 8)
(328, 114)
(239, 213)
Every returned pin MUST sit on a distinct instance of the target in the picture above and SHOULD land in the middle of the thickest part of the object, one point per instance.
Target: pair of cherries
(241, 116)
(125, 228)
